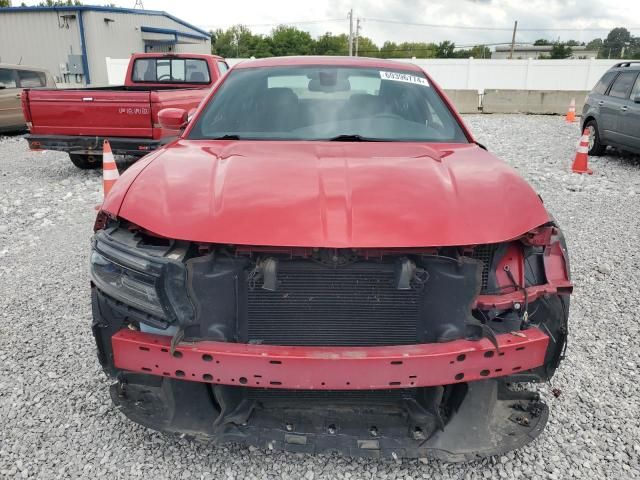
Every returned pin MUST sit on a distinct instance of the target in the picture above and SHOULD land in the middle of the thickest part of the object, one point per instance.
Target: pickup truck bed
(76, 121)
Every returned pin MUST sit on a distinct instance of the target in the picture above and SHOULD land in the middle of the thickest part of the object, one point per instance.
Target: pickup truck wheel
(86, 162)
(596, 148)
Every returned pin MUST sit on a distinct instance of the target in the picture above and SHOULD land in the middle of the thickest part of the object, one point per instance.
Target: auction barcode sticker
(403, 77)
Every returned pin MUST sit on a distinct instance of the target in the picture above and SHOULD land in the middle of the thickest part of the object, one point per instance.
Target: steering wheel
(165, 76)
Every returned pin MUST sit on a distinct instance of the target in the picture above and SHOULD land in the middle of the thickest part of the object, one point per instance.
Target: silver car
(611, 111)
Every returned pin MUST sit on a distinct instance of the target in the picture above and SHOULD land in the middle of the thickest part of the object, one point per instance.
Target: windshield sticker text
(403, 77)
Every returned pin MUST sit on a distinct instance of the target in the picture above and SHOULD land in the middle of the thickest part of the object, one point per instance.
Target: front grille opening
(484, 253)
(350, 305)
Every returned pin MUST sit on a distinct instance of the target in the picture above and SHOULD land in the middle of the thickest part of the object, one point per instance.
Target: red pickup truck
(78, 120)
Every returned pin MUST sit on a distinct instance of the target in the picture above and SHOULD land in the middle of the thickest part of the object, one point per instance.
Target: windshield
(327, 103)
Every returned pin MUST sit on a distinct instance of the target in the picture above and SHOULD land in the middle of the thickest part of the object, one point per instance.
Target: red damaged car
(325, 259)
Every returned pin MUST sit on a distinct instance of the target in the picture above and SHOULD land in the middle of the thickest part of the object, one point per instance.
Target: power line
(498, 29)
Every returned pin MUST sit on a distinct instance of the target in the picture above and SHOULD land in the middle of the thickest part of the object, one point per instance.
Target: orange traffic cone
(571, 113)
(109, 169)
(581, 163)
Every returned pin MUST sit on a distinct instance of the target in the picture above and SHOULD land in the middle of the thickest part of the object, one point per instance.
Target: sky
(466, 22)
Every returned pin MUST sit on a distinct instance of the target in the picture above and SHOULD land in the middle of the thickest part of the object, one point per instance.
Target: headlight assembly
(149, 279)
(131, 287)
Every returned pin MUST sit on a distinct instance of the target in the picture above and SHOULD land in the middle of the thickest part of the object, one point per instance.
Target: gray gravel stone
(56, 418)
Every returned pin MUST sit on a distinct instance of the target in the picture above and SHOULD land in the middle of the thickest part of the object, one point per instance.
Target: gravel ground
(56, 418)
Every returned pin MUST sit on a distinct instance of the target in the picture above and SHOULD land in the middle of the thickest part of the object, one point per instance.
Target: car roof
(175, 55)
(628, 65)
(327, 61)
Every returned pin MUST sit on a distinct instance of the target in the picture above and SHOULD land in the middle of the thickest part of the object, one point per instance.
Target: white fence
(116, 70)
(529, 74)
(476, 74)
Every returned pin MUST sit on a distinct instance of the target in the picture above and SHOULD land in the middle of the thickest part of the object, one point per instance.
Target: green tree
(4, 3)
(366, 48)
(541, 42)
(478, 51)
(615, 41)
(239, 42)
(408, 50)
(559, 51)
(594, 45)
(287, 40)
(329, 44)
(445, 49)
(633, 51)
(481, 51)
(389, 50)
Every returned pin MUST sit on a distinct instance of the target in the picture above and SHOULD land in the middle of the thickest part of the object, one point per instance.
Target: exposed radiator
(485, 254)
(350, 305)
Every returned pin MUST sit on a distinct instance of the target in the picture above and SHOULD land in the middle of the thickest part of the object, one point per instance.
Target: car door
(596, 99)
(10, 107)
(615, 105)
(630, 118)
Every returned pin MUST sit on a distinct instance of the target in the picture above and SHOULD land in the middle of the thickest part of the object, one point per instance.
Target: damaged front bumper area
(380, 353)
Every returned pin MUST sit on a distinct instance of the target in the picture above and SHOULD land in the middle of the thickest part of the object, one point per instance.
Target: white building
(72, 42)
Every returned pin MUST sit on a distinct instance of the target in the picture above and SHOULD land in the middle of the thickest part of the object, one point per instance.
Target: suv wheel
(86, 162)
(596, 147)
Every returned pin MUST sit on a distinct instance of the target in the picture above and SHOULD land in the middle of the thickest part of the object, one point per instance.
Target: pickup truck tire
(86, 162)
(596, 147)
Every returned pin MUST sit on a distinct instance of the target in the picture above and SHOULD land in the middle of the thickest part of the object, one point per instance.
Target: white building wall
(45, 39)
(42, 39)
(122, 37)
(116, 70)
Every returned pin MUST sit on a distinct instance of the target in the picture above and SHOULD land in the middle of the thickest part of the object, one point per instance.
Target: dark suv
(612, 110)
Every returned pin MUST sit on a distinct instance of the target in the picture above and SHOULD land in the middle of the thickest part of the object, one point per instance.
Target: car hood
(327, 194)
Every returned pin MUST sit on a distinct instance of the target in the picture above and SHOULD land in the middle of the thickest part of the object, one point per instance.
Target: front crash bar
(330, 368)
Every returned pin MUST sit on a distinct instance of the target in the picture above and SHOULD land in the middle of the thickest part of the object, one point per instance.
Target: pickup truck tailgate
(90, 112)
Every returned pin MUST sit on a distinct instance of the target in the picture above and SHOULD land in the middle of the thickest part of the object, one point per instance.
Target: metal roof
(97, 8)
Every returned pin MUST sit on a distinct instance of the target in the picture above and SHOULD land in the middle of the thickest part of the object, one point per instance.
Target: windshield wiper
(354, 137)
(230, 136)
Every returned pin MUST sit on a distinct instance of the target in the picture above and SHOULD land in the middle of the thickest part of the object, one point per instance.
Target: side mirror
(173, 118)
(636, 99)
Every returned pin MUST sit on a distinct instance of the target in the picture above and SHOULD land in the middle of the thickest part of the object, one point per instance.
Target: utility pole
(513, 40)
(357, 34)
(350, 16)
